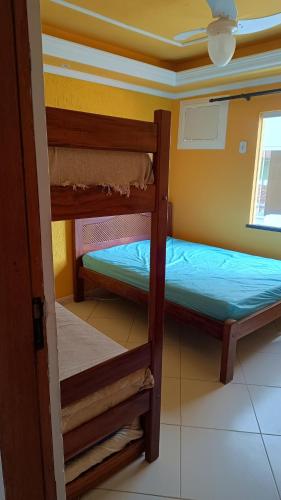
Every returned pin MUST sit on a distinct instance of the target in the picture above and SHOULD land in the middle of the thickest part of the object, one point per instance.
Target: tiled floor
(218, 442)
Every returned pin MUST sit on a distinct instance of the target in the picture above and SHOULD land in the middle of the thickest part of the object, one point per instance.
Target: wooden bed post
(229, 341)
(157, 278)
(78, 283)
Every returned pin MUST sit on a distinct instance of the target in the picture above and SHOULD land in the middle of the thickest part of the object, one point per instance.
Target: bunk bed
(202, 293)
(126, 142)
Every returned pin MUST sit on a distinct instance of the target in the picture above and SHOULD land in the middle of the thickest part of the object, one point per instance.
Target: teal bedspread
(219, 283)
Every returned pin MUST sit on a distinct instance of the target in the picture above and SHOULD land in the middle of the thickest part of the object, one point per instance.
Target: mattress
(102, 450)
(219, 283)
(81, 346)
(115, 170)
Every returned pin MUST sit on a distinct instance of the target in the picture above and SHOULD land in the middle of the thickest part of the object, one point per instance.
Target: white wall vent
(202, 125)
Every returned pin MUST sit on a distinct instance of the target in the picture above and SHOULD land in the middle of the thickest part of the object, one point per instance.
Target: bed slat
(68, 204)
(88, 434)
(86, 130)
(106, 373)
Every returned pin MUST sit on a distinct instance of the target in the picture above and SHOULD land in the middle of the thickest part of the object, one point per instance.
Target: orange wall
(211, 190)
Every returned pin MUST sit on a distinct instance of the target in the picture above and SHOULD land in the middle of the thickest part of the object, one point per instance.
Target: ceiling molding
(115, 22)
(210, 91)
(216, 89)
(75, 52)
(89, 56)
(258, 62)
(110, 82)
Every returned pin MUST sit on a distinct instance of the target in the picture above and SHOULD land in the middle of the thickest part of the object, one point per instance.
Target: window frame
(252, 224)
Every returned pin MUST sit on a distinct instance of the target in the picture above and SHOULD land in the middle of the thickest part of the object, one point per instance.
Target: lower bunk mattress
(81, 346)
(216, 282)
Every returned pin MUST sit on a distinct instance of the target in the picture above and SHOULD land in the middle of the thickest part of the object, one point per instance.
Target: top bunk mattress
(114, 170)
(81, 346)
(219, 283)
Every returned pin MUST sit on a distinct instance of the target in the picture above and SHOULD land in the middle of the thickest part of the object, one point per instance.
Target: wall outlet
(243, 147)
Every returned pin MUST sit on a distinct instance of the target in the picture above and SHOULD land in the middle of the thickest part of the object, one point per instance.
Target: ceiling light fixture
(220, 33)
(221, 41)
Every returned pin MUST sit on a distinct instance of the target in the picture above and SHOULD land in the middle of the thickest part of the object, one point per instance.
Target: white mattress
(80, 347)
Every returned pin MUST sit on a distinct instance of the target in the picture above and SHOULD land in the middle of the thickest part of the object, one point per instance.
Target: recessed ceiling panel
(162, 18)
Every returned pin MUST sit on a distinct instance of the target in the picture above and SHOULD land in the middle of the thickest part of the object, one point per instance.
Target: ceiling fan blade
(248, 26)
(195, 42)
(223, 8)
(188, 34)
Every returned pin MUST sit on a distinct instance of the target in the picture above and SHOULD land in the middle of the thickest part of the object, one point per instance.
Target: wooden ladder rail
(157, 279)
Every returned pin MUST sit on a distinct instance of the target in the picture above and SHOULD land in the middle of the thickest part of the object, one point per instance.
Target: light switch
(243, 147)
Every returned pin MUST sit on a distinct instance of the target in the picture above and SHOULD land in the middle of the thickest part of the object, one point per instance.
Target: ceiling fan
(221, 33)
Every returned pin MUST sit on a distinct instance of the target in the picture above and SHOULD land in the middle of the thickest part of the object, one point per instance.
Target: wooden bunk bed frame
(83, 130)
(228, 331)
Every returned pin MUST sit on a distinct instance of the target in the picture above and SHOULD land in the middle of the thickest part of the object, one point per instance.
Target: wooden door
(25, 436)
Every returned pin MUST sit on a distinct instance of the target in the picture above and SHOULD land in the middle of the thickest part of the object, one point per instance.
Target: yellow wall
(67, 93)
(211, 190)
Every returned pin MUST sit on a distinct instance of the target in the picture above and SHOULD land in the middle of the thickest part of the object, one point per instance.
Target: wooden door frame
(25, 419)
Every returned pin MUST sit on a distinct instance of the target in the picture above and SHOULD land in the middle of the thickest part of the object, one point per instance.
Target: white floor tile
(170, 408)
(116, 328)
(262, 369)
(266, 340)
(139, 330)
(114, 308)
(216, 464)
(161, 477)
(273, 447)
(117, 495)
(132, 345)
(171, 360)
(200, 355)
(172, 331)
(82, 309)
(267, 404)
(202, 363)
(217, 406)
(225, 465)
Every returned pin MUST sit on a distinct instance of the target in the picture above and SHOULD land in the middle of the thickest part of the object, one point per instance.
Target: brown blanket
(114, 170)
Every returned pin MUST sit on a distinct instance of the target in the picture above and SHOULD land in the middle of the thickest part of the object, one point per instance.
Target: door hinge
(38, 314)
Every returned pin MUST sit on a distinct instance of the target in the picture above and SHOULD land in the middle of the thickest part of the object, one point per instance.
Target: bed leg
(152, 430)
(79, 293)
(228, 357)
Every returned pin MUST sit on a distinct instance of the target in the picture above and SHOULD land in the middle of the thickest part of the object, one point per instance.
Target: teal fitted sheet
(220, 283)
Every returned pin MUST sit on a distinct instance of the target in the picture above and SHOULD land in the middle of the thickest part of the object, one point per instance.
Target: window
(267, 192)
(202, 125)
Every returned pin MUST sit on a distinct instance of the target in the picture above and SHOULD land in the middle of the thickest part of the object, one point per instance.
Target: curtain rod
(247, 96)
